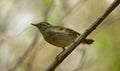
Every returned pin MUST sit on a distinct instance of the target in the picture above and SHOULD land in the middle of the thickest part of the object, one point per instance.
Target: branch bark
(92, 27)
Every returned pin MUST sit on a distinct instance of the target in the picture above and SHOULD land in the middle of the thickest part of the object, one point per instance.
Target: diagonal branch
(93, 26)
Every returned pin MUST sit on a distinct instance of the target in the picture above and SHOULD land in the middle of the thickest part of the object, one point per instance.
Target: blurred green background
(17, 33)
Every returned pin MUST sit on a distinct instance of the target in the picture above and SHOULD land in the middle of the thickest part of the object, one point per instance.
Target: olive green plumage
(59, 36)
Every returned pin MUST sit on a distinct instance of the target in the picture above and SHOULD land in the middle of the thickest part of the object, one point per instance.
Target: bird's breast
(59, 39)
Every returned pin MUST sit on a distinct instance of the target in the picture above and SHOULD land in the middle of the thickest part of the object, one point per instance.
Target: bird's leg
(60, 52)
(63, 49)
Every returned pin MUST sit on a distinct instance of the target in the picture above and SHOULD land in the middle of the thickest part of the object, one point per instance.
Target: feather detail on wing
(58, 29)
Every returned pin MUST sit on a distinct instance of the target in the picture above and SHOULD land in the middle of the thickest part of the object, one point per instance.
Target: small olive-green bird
(59, 36)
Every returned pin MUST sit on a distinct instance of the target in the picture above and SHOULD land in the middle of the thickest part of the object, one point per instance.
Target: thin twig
(93, 26)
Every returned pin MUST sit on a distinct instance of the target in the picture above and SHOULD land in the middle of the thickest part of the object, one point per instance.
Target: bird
(59, 36)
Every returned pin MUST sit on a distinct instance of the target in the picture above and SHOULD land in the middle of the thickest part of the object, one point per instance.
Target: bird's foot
(60, 53)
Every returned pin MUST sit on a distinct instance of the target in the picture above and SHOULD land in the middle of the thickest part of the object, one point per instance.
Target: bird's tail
(88, 41)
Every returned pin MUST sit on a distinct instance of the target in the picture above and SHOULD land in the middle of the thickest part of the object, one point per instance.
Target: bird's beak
(34, 24)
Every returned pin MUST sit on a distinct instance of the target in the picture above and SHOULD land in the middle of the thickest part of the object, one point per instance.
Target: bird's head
(42, 26)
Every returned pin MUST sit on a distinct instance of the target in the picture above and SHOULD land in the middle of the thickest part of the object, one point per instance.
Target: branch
(63, 55)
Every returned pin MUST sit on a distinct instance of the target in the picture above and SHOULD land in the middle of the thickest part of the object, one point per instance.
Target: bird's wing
(58, 29)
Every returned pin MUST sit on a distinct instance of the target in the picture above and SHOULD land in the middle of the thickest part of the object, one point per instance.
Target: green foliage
(46, 2)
